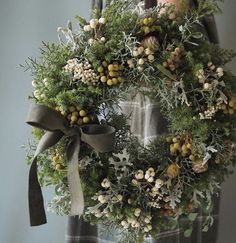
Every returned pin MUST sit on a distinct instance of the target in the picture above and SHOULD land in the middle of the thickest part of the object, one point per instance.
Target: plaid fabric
(81, 232)
(147, 123)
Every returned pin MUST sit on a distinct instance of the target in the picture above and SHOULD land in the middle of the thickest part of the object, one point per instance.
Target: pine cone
(199, 167)
(151, 42)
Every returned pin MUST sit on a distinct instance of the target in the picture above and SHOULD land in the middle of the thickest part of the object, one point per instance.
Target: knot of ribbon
(99, 137)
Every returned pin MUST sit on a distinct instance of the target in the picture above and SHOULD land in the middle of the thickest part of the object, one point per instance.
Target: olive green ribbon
(99, 137)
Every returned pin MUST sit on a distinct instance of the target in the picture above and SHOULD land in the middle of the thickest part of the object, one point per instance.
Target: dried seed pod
(173, 171)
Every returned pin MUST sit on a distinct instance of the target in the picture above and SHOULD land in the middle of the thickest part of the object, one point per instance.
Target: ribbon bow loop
(99, 137)
(43, 117)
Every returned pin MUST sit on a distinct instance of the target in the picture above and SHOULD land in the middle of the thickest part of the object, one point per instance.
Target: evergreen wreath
(164, 55)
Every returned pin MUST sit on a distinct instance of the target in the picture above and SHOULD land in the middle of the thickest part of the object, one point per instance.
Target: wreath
(84, 145)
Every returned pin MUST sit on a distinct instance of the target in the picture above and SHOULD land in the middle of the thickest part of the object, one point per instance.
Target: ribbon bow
(100, 137)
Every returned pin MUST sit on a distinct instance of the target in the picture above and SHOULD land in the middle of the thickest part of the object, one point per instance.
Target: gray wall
(226, 25)
(23, 24)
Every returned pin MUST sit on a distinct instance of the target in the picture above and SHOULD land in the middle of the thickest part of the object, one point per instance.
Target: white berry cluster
(153, 186)
(38, 94)
(94, 23)
(91, 41)
(82, 71)
(104, 198)
(155, 189)
(106, 183)
(98, 212)
(141, 56)
(36, 83)
(208, 114)
(116, 199)
(154, 204)
(148, 176)
(156, 194)
(138, 220)
(210, 78)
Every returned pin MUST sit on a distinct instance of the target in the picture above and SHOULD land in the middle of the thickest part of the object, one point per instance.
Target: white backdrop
(23, 25)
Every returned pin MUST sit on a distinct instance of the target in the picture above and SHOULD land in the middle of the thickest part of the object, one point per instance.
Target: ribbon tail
(75, 187)
(35, 196)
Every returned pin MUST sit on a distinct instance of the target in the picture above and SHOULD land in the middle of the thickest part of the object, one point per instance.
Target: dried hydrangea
(82, 71)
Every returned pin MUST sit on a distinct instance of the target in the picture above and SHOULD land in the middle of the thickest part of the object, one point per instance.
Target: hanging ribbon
(100, 137)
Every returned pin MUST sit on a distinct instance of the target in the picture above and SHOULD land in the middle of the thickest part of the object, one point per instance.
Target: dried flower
(81, 71)
(209, 113)
(151, 42)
